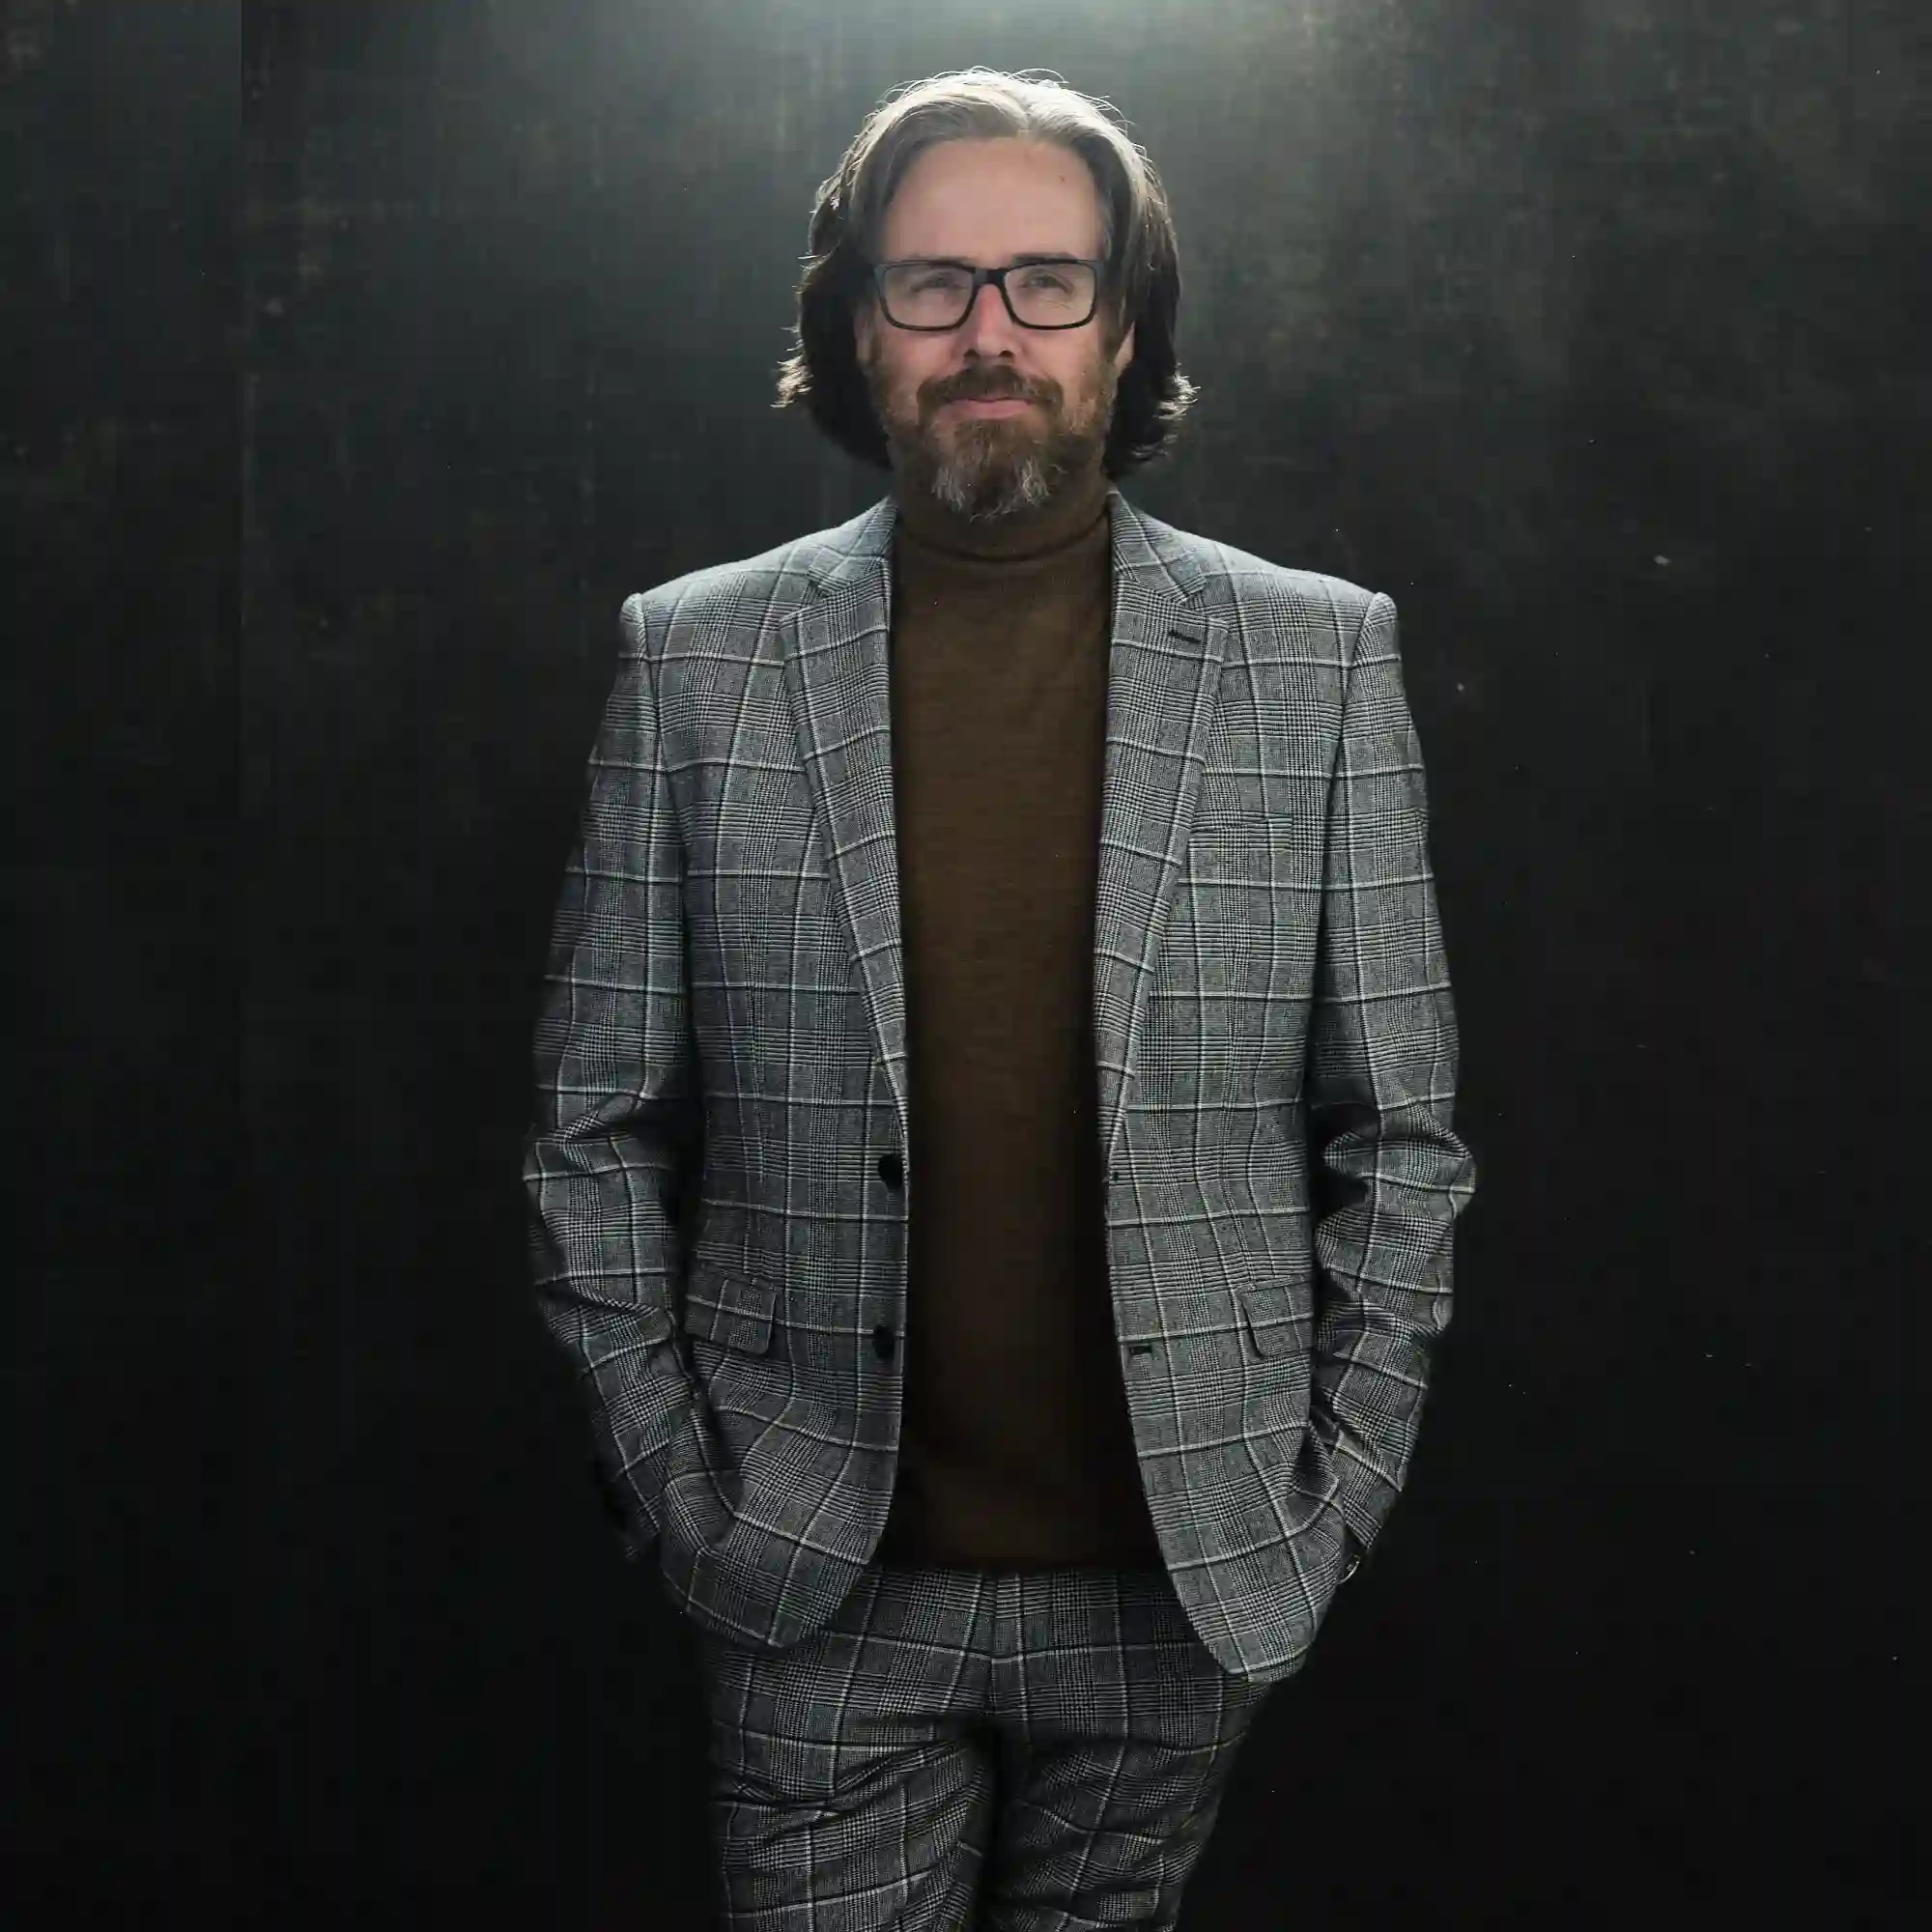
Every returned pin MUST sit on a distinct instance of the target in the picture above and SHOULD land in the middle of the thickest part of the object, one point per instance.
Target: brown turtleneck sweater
(1015, 1448)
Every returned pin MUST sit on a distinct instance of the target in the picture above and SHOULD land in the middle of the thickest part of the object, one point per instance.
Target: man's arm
(617, 1107)
(1389, 1176)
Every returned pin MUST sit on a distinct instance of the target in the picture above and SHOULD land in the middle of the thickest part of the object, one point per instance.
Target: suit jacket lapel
(1163, 670)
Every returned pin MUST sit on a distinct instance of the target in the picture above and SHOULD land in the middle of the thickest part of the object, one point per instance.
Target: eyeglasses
(1054, 292)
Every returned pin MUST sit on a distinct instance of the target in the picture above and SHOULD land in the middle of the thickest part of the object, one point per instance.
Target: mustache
(983, 393)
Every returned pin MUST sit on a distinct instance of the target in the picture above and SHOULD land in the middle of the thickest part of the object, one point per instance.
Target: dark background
(360, 359)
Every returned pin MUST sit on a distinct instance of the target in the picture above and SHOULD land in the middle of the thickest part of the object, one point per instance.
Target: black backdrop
(361, 359)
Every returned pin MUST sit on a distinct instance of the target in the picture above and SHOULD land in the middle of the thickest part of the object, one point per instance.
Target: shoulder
(749, 589)
(1259, 593)
(1241, 578)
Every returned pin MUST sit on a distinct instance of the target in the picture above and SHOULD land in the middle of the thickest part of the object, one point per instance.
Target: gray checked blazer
(719, 1199)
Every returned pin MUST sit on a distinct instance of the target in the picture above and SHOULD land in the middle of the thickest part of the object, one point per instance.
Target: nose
(987, 324)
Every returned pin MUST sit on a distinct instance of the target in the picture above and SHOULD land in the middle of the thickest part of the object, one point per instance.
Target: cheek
(909, 378)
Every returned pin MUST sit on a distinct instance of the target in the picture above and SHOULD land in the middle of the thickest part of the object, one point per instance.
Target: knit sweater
(1016, 1450)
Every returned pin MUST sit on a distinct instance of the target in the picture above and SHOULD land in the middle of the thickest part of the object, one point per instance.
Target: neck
(1068, 513)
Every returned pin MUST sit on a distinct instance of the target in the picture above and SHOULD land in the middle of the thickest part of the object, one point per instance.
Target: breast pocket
(1281, 850)
(1235, 975)
(1246, 913)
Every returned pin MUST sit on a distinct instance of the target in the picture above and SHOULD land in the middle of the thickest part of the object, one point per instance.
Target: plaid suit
(1269, 970)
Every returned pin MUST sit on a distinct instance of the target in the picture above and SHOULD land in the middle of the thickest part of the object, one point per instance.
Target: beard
(988, 469)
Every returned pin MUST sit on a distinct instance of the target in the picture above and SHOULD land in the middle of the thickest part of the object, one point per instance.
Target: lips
(994, 408)
(997, 396)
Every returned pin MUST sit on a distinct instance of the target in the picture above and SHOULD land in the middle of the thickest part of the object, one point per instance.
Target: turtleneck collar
(927, 527)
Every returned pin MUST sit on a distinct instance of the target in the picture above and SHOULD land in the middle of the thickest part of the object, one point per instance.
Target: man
(994, 1173)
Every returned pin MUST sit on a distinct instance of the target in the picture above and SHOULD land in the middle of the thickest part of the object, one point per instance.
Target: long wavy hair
(1141, 289)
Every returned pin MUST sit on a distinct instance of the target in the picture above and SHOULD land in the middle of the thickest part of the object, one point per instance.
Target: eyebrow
(1017, 261)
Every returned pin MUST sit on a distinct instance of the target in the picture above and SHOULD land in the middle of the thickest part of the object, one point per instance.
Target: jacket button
(881, 1341)
(892, 1171)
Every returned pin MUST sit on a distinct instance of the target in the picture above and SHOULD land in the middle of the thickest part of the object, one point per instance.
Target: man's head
(980, 204)
(982, 168)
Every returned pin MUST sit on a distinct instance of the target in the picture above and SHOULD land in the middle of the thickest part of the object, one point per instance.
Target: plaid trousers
(999, 1750)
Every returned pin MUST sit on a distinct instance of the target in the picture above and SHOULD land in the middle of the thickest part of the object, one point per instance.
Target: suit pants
(999, 1750)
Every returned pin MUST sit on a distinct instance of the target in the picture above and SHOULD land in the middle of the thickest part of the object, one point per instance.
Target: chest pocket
(1253, 870)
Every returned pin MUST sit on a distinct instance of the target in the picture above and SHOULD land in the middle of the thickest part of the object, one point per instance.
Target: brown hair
(1141, 288)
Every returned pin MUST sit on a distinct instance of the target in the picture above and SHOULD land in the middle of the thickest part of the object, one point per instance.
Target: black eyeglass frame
(981, 278)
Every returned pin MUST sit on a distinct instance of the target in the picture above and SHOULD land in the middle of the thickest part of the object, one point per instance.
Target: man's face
(985, 202)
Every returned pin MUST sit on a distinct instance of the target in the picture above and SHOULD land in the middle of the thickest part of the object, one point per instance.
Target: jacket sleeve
(1389, 1176)
(617, 1107)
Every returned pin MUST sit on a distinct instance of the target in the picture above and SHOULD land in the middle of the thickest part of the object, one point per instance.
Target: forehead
(988, 200)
